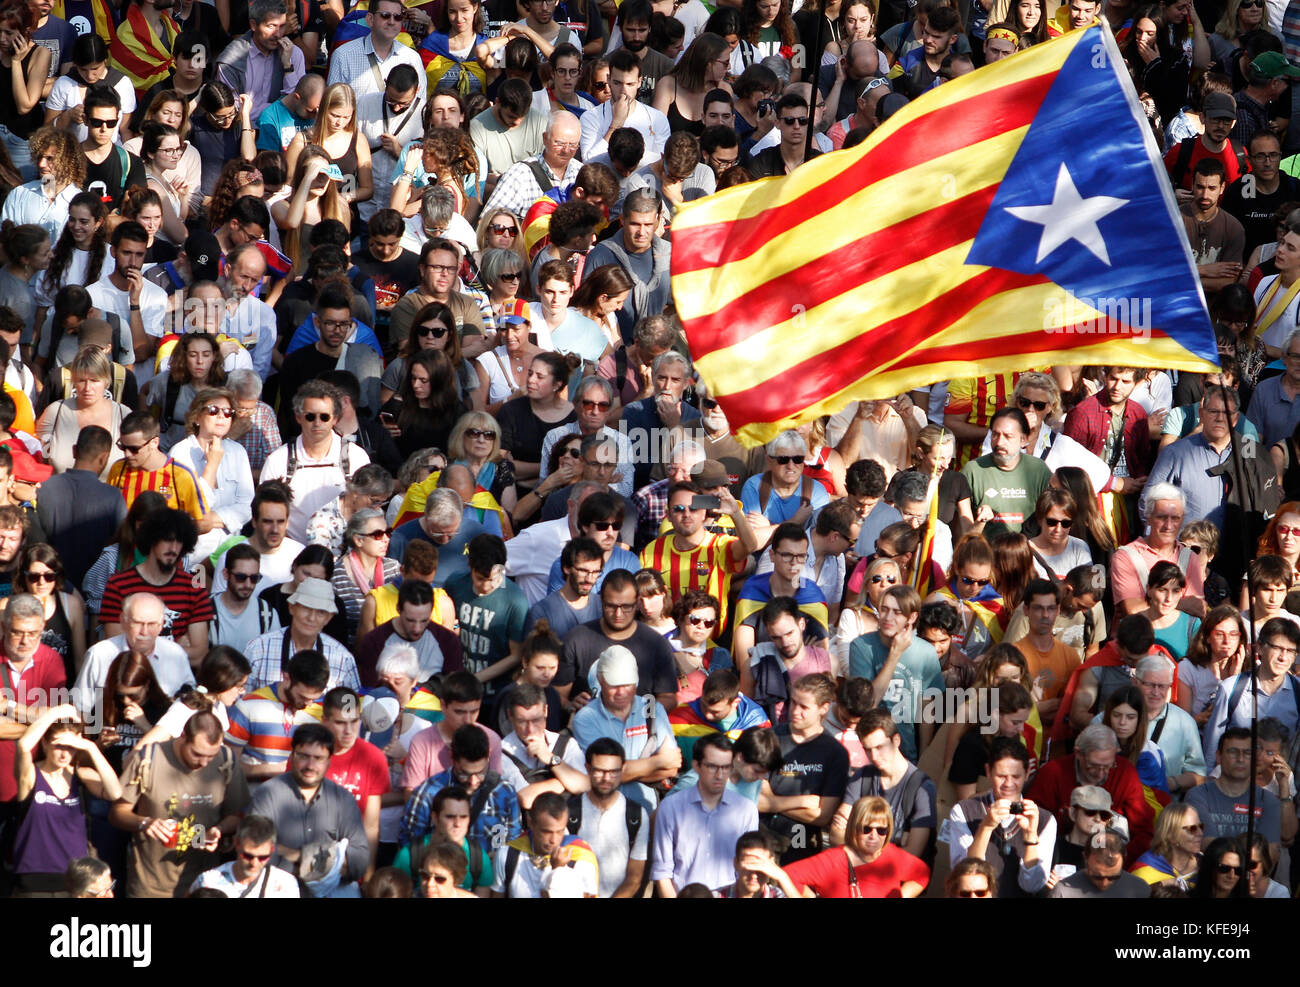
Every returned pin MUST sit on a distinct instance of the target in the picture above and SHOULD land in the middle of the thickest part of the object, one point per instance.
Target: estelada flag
(1014, 217)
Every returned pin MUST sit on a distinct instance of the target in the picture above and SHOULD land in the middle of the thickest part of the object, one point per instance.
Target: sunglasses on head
(323, 417)
(1025, 403)
(787, 460)
(967, 581)
(701, 621)
(437, 332)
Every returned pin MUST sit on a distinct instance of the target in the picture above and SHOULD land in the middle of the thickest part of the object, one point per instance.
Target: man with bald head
(842, 83)
(142, 624)
(248, 320)
(557, 166)
(288, 116)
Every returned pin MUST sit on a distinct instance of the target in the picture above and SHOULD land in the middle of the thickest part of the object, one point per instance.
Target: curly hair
(235, 176)
(179, 371)
(454, 152)
(62, 146)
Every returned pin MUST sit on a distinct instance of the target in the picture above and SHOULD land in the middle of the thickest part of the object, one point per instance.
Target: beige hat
(315, 593)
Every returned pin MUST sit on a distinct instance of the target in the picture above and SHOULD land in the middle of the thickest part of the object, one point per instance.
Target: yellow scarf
(1267, 316)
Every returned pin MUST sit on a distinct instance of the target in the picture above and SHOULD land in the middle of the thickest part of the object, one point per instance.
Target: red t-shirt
(827, 873)
(1228, 156)
(363, 771)
(185, 600)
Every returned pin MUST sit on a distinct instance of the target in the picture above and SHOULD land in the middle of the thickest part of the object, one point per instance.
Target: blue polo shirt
(1186, 464)
(1274, 414)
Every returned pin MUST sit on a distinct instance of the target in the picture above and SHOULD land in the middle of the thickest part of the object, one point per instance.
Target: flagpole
(816, 56)
(1243, 492)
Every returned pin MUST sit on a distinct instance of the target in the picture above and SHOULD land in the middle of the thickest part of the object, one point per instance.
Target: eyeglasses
(982, 893)
(795, 121)
(1247, 4)
(1228, 869)
(604, 526)
(216, 410)
(877, 579)
(715, 768)
(787, 460)
(442, 268)
(568, 73)
(336, 323)
(250, 857)
(500, 230)
(681, 508)
(437, 332)
(1026, 404)
(594, 405)
(790, 558)
(314, 416)
(243, 577)
(42, 577)
(708, 403)
(599, 87)
(878, 830)
(132, 450)
(379, 534)
(1286, 531)
(618, 607)
(1165, 518)
(1196, 828)
(100, 124)
(967, 581)
(397, 106)
(480, 433)
(1058, 522)
(701, 621)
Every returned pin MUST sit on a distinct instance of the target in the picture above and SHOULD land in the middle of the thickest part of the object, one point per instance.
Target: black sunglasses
(437, 332)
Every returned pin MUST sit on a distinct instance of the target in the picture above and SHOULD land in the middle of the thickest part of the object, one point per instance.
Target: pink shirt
(429, 754)
(1125, 584)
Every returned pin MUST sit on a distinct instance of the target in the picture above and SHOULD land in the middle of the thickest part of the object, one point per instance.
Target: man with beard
(616, 829)
(248, 320)
(140, 305)
(276, 551)
(235, 622)
(164, 537)
(1005, 484)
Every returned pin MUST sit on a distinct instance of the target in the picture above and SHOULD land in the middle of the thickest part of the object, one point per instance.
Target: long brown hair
(1013, 566)
(130, 671)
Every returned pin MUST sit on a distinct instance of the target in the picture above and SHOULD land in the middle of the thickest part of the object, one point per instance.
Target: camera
(1016, 808)
(766, 106)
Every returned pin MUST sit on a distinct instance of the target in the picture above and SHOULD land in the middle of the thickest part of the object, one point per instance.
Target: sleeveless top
(20, 124)
(58, 635)
(678, 122)
(53, 831)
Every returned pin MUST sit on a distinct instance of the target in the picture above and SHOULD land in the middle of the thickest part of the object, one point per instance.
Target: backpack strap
(575, 814)
(632, 817)
(1238, 688)
(169, 401)
(1240, 152)
(475, 863)
(1183, 160)
(481, 796)
(539, 172)
(292, 467)
(512, 864)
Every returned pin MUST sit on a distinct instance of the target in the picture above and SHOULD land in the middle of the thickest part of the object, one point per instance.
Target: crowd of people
(365, 529)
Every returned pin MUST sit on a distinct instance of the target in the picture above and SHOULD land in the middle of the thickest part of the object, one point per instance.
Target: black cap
(204, 255)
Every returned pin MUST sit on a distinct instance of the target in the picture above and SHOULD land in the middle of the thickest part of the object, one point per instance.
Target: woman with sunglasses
(868, 865)
(53, 830)
(476, 442)
(91, 404)
(503, 372)
(504, 276)
(433, 328)
(427, 407)
(564, 467)
(1175, 848)
(1056, 551)
(696, 653)
(500, 229)
(1262, 863)
(970, 589)
(860, 617)
(40, 573)
(1241, 17)
(1220, 872)
(220, 463)
(1281, 537)
(364, 564)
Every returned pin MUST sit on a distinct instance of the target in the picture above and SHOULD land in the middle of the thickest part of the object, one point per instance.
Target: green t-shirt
(1011, 494)
(488, 624)
(485, 879)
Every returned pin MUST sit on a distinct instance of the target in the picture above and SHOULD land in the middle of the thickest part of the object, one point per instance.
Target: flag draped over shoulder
(1017, 216)
(138, 53)
(923, 570)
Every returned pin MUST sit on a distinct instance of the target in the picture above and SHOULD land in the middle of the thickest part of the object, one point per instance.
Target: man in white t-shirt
(138, 303)
(607, 822)
(240, 617)
(276, 551)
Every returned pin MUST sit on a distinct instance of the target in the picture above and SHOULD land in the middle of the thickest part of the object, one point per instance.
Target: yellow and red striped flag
(1016, 216)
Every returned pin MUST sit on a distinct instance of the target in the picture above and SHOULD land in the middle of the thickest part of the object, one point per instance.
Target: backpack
(907, 799)
(765, 490)
(631, 816)
(292, 466)
(543, 179)
(543, 773)
(1184, 159)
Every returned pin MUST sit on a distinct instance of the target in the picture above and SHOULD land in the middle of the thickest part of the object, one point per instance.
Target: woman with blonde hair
(822, 463)
(868, 865)
(1240, 17)
(316, 197)
(220, 463)
(1175, 853)
(337, 134)
(935, 449)
(475, 442)
(62, 421)
(499, 227)
(860, 617)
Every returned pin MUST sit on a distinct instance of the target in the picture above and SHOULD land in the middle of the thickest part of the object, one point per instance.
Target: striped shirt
(266, 654)
(185, 599)
(175, 482)
(261, 725)
(262, 437)
(708, 567)
(976, 399)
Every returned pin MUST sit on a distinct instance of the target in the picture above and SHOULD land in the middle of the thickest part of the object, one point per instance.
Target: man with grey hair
(370, 486)
(1164, 509)
(32, 677)
(782, 492)
(263, 62)
(1169, 726)
(911, 491)
(316, 465)
(643, 255)
(524, 182)
(595, 397)
(654, 424)
(251, 322)
(445, 526)
(142, 624)
(628, 368)
(1193, 463)
(254, 427)
(1096, 761)
(1274, 409)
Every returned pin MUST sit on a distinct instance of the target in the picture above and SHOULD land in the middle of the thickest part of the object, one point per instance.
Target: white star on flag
(1070, 217)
